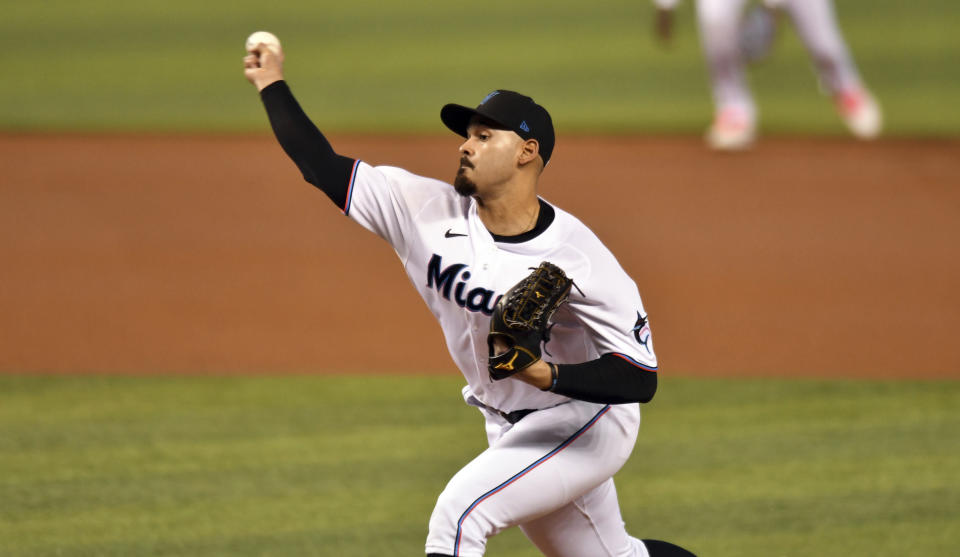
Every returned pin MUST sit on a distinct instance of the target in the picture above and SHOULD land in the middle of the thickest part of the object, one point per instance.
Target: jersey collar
(547, 214)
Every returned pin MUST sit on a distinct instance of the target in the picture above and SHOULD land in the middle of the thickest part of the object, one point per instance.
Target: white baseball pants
(551, 475)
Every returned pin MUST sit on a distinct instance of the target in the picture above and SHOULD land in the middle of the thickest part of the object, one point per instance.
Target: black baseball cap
(512, 111)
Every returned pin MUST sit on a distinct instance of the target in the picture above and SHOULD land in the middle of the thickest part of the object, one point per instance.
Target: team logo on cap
(524, 126)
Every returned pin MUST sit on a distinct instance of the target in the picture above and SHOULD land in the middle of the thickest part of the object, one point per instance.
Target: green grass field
(340, 465)
(374, 66)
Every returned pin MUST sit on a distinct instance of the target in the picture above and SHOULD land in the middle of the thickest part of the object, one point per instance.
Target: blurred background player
(730, 40)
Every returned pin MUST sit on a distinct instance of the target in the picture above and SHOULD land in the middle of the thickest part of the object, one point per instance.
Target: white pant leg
(537, 466)
(719, 23)
(816, 24)
(589, 525)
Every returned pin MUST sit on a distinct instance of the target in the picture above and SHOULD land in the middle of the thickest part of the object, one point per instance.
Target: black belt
(512, 417)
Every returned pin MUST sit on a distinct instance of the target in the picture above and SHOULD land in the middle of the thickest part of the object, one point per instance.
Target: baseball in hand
(265, 37)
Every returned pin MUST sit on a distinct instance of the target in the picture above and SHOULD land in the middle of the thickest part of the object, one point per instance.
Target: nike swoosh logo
(450, 234)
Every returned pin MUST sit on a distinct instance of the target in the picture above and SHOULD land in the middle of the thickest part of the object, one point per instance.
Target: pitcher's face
(488, 158)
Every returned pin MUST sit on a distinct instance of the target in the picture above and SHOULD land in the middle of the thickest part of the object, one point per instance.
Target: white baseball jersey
(460, 271)
(551, 472)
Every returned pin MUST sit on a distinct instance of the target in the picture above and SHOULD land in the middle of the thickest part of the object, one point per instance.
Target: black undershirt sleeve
(303, 142)
(609, 380)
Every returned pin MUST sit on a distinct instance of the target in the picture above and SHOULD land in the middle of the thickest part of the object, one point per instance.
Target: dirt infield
(209, 254)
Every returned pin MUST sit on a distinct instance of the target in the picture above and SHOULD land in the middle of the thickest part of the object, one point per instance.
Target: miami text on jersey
(477, 299)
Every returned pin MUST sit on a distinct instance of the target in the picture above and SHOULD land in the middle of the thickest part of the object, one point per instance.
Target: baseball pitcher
(546, 327)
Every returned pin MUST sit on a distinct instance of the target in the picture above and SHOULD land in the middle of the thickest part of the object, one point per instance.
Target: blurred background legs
(730, 38)
(816, 24)
(734, 124)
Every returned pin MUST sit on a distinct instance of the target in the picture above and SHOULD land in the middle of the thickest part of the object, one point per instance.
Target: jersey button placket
(486, 253)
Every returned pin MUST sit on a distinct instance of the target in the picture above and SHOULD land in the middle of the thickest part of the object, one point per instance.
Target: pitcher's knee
(460, 526)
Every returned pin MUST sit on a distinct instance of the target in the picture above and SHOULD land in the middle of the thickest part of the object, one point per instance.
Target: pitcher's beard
(464, 186)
